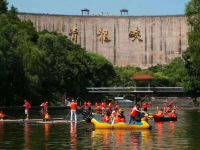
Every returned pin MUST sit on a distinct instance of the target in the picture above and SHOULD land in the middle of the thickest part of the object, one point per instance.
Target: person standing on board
(73, 110)
(27, 107)
(44, 109)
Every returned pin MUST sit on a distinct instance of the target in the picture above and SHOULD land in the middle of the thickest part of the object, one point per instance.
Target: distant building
(124, 40)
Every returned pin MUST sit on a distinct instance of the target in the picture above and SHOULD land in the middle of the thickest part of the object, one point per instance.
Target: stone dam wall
(124, 40)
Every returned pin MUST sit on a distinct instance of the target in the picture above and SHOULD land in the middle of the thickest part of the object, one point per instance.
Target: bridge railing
(169, 89)
(135, 89)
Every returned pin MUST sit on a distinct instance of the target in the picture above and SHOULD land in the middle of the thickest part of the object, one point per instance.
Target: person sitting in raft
(168, 109)
(160, 113)
(110, 106)
(107, 117)
(2, 115)
(172, 114)
(120, 116)
(89, 106)
(114, 113)
(84, 106)
(98, 109)
(135, 113)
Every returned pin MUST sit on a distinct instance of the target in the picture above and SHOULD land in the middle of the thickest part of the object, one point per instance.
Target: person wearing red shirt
(145, 106)
(44, 109)
(110, 107)
(107, 117)
(27, 107)
(135, 112)
(73, 110)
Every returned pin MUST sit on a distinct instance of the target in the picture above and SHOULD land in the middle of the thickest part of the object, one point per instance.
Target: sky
(97, 7)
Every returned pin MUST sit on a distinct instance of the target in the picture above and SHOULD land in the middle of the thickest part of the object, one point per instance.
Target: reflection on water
(180, 135)
(1, 131)
(46, 135)
(120, 138)
(27, 134)
(73, 126)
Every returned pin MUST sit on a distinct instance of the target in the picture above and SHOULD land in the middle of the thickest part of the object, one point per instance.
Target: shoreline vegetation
(46, 65)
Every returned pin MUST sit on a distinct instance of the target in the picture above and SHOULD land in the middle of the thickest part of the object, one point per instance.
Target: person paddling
(107, 117)
(135, 113)
(27, 107)
(73, 110)
(44, 109)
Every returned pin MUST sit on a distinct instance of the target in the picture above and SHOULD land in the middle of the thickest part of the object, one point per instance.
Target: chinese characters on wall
(73, 34)
(103, 35)
(135, 35)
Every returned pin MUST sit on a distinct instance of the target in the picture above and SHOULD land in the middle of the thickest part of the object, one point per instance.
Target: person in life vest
(120, 116)
(44, 109)
(107, 117)
(172, 114)
(160, 113)
(103, 106)
(27, 107)
(135, 114)
(117, 107)
(145, 106)
(84, 106)
(98, 108)
(110, 107)
(168, 109)
(89, 105)
(2, 115)
(73, 110)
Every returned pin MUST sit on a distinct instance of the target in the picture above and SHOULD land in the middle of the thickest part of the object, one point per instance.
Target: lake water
(183, 135)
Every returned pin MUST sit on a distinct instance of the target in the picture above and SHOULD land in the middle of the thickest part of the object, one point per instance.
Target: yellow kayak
(121, 125)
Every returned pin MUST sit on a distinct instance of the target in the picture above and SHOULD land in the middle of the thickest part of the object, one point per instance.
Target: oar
(113, 121)
(67, 115)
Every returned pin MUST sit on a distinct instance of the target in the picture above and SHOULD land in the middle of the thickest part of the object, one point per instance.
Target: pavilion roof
(142, 77)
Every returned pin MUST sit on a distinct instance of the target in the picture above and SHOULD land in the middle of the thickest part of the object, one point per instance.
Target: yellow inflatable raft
(121, 125)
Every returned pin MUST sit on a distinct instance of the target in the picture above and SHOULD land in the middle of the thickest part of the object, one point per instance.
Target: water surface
(183, 135)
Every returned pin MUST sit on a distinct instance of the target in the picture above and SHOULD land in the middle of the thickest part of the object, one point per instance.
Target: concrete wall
(164, 37)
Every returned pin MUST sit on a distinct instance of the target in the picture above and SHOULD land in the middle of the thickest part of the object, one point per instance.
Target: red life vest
(106, 119)
(73, 106)
(118, 119)
(27, 105)
(134, 112)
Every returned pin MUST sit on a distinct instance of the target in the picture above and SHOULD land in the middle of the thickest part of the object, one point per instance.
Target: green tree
(3, 6)
(192, 54)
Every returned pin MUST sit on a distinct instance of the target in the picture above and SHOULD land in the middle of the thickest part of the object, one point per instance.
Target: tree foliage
(3, 6)
(192, 54)
(44, 65)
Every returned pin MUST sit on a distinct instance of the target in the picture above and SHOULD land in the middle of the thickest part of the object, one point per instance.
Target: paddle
(67, 115)
(113, 121)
